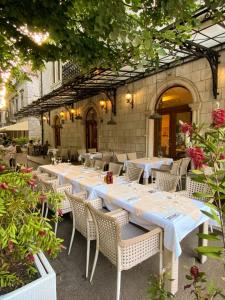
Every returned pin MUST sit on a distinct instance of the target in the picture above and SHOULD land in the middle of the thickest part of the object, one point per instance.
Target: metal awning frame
(107, 81)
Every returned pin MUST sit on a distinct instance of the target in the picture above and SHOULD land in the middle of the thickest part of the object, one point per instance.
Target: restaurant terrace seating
(115, 168)
(123, 243)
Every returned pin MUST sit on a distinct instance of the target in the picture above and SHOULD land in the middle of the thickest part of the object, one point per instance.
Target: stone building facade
(134, 131)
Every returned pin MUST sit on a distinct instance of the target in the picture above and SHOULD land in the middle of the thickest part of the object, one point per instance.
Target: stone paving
(72, 285)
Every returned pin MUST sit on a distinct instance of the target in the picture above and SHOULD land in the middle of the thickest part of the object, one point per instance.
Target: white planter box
(43, 288)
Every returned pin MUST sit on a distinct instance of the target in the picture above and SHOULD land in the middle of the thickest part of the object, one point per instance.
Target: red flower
(42, 233)
(2, 168)
(218, 116)
(31, 182)
(30, 257)
(186, 128)
(197, 156)
(26, 170)
(49, 251)
(10, 246)
(59, 212)
(194, 271)
(4, 186)
(222, 156)
(42, 198)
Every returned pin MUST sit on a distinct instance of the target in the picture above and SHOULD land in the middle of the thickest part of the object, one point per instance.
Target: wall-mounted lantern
(129, 98)
(103, 105)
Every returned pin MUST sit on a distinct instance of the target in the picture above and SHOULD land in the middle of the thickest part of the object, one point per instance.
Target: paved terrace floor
(70, 270)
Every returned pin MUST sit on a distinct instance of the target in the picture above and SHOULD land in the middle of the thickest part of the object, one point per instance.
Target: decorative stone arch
(177, 81)
(152, 105)
(88, 106)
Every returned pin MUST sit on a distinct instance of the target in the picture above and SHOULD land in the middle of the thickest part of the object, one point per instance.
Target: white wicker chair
(89, 163)
(133, 173)
(82, 220)
(124, 244)
(99, 164)
(121, 157)
(183, 169)
(61, 189)
(115, 168)
(107, 156)
(194, 187)
(166, 181)
(175, 170)
(132, 156)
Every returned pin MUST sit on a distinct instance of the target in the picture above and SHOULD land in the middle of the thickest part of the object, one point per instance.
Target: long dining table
(175, 214)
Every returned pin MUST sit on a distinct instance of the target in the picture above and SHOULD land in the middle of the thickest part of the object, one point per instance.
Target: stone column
(195, 107)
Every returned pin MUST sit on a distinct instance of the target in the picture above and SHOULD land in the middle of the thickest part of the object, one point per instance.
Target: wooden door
(57, 132)
(169, 141)
(91, 134)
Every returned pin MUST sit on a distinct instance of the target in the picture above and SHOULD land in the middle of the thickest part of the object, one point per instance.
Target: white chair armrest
(63, 188)
(96, 203)
(120, 215)
(140, 238)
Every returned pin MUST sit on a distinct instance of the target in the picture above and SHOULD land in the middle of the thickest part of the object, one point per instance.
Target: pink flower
(31, 182)
(42, 198)
(59, 212)
(4, 186)
(218, 116)
(26, 170)
(2, 168)
(186, 128)
(10, 246)
(222, 156)
(197, 156)
(30, 257)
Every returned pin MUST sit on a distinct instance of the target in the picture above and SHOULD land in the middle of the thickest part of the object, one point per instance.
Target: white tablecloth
(90, 155)
(148, 163)
(173, 214)
(176, 222)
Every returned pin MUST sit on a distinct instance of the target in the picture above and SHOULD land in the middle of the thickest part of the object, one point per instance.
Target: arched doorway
(57, 127)
(91, 129)
(173, 106)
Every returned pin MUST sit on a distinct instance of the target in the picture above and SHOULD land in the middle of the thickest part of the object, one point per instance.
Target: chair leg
(46, 212)
(95, 262)
(118, 284)
(56, 227)
(71, 240)
(87, 258)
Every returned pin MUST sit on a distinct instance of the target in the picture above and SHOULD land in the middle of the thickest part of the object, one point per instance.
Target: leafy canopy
(97, 33)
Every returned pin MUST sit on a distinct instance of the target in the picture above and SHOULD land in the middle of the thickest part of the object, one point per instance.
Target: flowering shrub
(23, 231)
(200, 287)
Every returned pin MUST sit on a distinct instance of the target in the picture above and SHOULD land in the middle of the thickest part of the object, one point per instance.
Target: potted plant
(24, 235)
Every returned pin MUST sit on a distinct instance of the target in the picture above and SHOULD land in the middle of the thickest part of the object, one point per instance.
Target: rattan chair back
(166, 181)
(133, 173)
(115, 168)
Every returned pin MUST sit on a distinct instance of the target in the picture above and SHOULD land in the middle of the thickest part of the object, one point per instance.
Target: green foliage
(157, 288)
(98, 33)
(21, 140)
(23, 231)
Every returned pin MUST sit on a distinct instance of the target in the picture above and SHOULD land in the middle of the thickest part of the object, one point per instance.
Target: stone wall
(134, 131)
